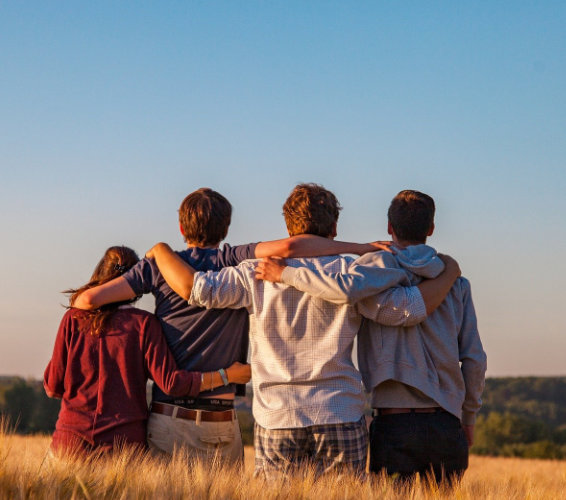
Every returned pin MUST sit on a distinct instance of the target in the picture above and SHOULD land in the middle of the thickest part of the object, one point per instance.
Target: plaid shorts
(327, 447)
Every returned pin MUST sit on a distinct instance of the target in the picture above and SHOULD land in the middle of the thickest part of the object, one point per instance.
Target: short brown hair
(411, 215)
(205, 216)
(311, 209)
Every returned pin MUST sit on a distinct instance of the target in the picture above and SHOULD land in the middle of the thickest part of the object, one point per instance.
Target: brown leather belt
(186, 414)
(397, 411)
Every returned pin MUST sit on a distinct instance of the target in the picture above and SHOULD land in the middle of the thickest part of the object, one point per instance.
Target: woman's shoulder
(136, 313)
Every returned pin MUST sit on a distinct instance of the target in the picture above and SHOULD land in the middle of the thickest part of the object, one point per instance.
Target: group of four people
(419, 351)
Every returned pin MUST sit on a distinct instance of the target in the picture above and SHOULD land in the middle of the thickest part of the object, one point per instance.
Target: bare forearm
(308, 245)
(116, 290)
(237, 373)
(176, 272)
(434, 291)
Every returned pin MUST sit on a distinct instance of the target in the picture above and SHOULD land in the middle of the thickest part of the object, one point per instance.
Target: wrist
(223, 376)
(364, 248)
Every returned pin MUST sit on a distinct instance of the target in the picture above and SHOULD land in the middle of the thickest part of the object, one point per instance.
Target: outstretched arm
(176, 272)
(364, 282)
(308, 245)
(116, 290)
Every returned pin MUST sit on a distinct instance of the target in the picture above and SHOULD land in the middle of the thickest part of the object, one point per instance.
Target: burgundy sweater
(102, 379)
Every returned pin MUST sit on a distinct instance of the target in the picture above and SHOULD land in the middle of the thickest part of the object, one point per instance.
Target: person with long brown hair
(101, 362)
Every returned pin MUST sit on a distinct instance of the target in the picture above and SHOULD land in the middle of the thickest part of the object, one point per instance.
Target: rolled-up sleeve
(399, 306)
(227, 289)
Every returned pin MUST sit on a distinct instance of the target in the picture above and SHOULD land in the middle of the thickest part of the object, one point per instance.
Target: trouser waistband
(208, 404)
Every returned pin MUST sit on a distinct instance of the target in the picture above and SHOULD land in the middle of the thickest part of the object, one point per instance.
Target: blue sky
(112, 112)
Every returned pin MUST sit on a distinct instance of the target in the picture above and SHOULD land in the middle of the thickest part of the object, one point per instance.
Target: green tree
(19, 405)
(497, 430)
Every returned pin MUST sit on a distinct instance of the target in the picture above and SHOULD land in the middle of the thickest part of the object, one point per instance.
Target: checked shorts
(328, 447)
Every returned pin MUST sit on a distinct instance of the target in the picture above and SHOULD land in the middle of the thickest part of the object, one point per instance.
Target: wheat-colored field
(26, 472)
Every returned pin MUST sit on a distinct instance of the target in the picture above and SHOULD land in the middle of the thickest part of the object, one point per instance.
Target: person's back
(102, 384)
(293, 337)
(308, 403)
(200, 339)
(426, 356)
(100, 364)
(426, 379)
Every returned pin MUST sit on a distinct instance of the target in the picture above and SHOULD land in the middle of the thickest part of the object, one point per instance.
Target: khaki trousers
(207, 441)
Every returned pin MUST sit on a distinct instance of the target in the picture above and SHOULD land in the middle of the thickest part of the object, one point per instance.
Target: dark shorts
(410, 443)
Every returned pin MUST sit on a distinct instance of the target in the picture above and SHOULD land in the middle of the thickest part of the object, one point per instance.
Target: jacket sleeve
(161, 365)
(227, 289)
(472, 357)
(54, 376)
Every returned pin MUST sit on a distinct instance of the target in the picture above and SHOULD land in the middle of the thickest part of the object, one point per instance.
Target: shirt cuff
(288, 275)
(197, 289)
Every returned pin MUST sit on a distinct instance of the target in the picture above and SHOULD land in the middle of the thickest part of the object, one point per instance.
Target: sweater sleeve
(54, 376)
(472, 357)
(161, 364)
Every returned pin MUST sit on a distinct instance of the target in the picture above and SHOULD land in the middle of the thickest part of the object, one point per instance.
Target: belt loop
(174, 414)
(197, 420)
(233, 415)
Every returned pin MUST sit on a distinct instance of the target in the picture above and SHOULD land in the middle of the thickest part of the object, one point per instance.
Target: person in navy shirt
(201, 339)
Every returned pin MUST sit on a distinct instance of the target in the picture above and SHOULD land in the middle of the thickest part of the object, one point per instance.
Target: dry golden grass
(26, 472)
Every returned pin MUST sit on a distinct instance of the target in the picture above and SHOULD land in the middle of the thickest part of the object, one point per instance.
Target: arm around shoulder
(176, 272)
(308, 245)
(116, 290)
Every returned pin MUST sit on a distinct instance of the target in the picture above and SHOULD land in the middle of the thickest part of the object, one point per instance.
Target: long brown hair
(115, 262)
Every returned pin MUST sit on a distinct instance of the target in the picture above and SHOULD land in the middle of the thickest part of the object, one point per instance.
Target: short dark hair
(311, 209)
(205, 216)
(411, 215)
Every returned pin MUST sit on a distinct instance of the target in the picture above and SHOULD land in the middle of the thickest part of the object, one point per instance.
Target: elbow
(185, 291)
(288, 248)
(85, 301)
(51, 393)
(413, 319)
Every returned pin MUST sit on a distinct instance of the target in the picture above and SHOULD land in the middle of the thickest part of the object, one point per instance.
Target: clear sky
(111, 112)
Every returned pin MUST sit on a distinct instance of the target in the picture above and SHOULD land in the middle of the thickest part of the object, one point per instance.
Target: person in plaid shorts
(308, 399)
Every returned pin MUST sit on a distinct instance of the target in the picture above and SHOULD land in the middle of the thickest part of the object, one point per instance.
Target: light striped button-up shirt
(301, 346)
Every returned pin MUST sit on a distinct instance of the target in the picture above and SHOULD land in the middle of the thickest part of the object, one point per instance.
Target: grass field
(26, 473)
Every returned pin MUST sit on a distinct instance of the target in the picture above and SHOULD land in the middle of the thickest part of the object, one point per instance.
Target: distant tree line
(520, 417)
(26, 405)
(523, 417)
